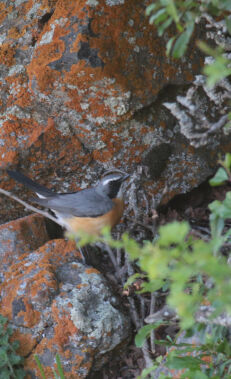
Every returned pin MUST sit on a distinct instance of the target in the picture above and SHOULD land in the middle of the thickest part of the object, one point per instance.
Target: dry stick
(113, 260)
(133, 313)
(147, 355)
(118, 253)
(30, 207)
(152, 310)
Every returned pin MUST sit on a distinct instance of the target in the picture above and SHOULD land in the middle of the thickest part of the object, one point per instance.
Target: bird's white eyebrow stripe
(106, 181)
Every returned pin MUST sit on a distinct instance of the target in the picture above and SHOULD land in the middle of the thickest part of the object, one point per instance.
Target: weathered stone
(20, 237)
(82, 89)
(57, 305)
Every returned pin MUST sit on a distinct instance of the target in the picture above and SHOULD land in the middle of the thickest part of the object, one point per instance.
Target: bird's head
(110, 184)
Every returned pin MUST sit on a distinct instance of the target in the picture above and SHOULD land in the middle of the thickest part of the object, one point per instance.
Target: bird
(88, 210)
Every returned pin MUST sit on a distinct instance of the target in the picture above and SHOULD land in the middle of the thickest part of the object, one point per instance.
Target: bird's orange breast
(94, 225)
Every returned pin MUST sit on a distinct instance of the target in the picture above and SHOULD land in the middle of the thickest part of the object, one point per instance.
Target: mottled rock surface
(55, 304)
(82, 89)
(19, 237)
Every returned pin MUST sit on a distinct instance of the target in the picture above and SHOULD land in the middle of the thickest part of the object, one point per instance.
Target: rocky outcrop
(19, 237)
(55, 304)
(82, 89)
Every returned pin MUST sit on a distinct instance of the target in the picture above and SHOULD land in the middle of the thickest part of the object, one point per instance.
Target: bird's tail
(41, 191)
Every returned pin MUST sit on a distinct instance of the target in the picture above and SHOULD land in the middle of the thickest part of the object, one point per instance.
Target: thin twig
(142, 308)
(146, 354)
(118, 257)
(130, 269)
(152, 310)
(133, 313)
(26, 205)
(113, 260)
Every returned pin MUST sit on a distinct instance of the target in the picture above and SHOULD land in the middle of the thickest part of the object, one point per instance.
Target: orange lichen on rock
(4, 11)
(64, 330)
(27, 342)
(102, 155)
(8, 156)
(91, 271)
(7, 53)
(102, 54)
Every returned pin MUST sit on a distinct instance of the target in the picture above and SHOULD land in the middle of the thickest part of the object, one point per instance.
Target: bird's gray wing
(85, 203)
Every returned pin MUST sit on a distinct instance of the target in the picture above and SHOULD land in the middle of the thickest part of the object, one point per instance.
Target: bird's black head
(110, 184)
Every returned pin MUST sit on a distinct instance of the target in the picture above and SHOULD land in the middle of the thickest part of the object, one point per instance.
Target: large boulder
(55, 304)
(84, 85)
(80, 81)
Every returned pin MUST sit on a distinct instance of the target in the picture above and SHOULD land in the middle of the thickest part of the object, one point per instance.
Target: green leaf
(182, 41)
(14, 359)
(227, 162)
(150, 9)
(131, 246)
(152, 286)
(173, 233)
(228, 24)
(40, 366)
(217, 70)
(225, 5)
(164, 26)
(3, 357)
(55, 374)
(3, 320)
(178, 363)
(169, 45)
(222, 209)
(159, 16)
(172, 11)
(5, 374)
(200, 375)
(147, 371)
(15, 345)
(220, 177)
(4, 340)
(144, 332)
(59, 366)
(206, 48)
(20, 373)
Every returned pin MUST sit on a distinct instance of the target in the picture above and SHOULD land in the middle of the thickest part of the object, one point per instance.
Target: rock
(55, 304)
(20, 237)
(83, 88)
(73, 75)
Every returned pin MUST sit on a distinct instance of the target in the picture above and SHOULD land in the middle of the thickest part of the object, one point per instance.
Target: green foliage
(194, 273)
(223, 173)
(220, 177)
(10, 361)
(183, 262)
(60, 374)
(164, 13)
(189, 264)
(183, 14)
(40, 366)
(219, 68)
(57, 375)
(145, 332)
(211, 359)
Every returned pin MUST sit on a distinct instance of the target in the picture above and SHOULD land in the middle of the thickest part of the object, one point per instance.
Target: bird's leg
(81, 251)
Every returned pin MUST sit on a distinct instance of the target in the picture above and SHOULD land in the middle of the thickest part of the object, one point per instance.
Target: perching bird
(88, 210)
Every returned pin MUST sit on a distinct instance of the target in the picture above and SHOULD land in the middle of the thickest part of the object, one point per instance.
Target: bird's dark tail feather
(19, 177)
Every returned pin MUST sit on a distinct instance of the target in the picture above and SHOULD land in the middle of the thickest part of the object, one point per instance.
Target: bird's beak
(125, 177)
